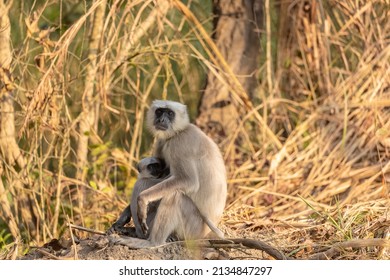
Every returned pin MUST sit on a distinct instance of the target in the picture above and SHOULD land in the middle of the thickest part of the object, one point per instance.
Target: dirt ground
(99, 247)
(294, 241)
(365, 235)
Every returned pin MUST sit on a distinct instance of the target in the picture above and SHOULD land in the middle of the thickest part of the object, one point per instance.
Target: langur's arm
(184, 179)
(123, 219)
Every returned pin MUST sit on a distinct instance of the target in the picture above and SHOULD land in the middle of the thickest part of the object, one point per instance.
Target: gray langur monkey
(196, 190)
(151, 171)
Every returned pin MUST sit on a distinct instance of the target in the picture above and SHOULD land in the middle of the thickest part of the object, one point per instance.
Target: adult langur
(198, 175)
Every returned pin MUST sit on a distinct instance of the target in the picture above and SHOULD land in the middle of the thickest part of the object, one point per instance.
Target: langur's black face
(163, 118)
(155, 169)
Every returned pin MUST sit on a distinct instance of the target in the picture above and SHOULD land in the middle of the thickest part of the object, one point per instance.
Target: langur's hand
(142, 209)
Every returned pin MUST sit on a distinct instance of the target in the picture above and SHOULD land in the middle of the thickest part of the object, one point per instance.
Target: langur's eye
(171, 113)
(158, 112)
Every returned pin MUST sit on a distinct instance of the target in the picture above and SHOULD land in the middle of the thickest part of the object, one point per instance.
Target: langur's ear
(138, 168)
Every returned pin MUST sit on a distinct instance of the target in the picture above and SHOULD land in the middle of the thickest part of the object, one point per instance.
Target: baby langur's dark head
(152, 167)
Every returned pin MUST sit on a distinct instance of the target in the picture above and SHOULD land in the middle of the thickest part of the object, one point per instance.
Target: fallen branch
(358, 243)
(253, 244)
(47, 254)
(85, 229)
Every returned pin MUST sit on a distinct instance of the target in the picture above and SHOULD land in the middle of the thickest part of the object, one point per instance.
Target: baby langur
(194, 193)
(151, 171)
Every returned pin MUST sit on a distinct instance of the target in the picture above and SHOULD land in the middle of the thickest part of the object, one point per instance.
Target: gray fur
(197, 174)
(144, 182)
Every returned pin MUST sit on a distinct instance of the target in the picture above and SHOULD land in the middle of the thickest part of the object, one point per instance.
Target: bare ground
(99, 247)
(306, 239)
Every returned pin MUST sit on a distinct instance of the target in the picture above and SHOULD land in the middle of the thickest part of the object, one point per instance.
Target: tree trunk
(301, 41)
(237, 36)
(90, 104)
(9, 149)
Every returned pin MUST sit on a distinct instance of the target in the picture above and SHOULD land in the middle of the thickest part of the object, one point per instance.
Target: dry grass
(314, 169)
(332, 174)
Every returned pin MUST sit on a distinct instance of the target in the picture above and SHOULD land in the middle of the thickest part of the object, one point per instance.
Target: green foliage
(5, 238)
